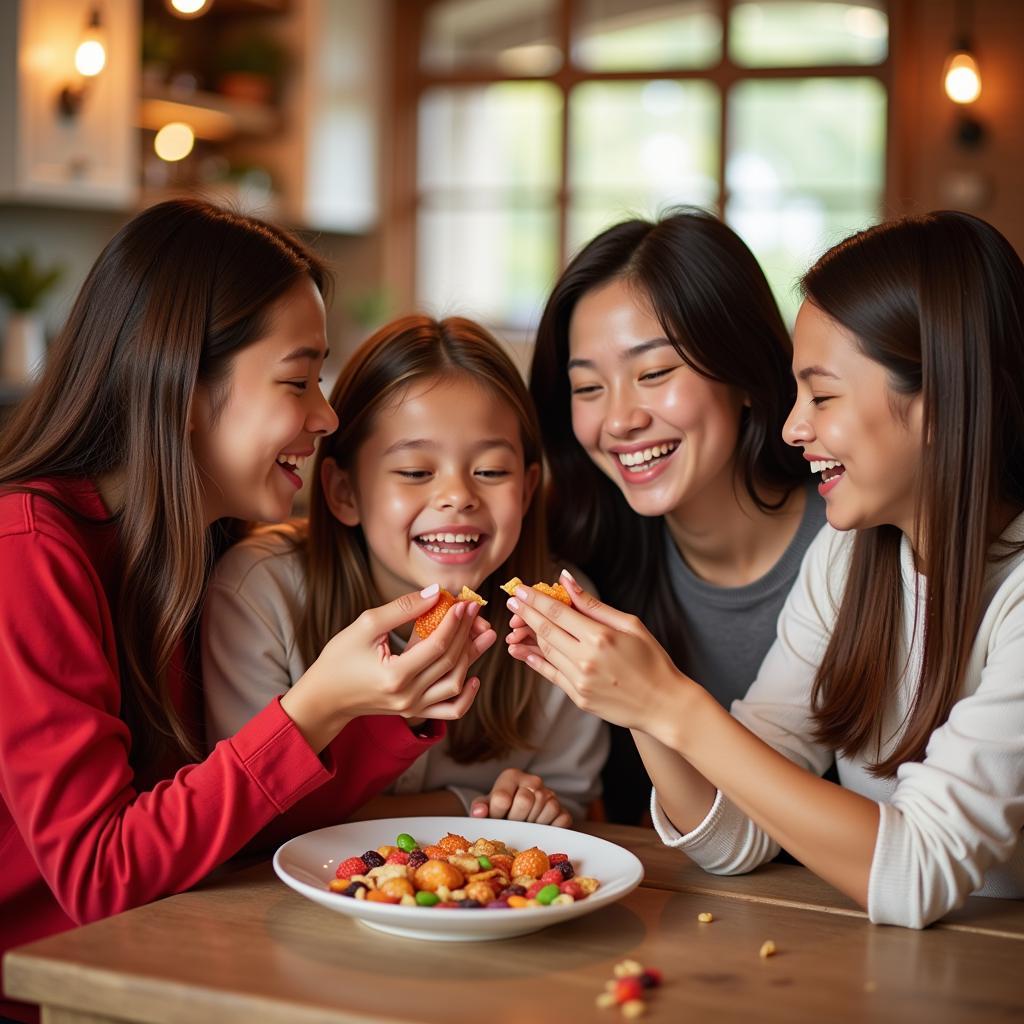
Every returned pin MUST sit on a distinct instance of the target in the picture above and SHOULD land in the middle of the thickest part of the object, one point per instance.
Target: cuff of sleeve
(277, 757)
(671, 836)
(393, 733)
(466, 796)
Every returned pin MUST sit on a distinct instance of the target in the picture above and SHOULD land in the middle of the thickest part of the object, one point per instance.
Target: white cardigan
(250, 656)
(950, 825)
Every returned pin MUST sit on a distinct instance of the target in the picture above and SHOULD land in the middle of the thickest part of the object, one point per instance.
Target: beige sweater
(949, 825)
(250, 657)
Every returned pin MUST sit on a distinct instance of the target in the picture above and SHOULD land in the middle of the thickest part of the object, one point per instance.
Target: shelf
(211, 116)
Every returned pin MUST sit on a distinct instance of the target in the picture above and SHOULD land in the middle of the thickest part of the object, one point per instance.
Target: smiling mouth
(828, 468)
(640, 461)
(448, 543)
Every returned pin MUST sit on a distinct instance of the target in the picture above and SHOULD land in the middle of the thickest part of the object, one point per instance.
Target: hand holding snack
(357, 673)
(519, 796)
(521, 634)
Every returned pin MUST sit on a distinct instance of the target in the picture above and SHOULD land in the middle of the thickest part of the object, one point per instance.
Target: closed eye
(657, 374)
(493, 474)
(586, 389)
(413, 474)
(821, 399)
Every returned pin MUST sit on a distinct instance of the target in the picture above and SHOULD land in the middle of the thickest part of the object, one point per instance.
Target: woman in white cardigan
(901, 649)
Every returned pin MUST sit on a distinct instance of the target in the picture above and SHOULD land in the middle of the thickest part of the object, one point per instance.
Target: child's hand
(357, 674)
(519, 796)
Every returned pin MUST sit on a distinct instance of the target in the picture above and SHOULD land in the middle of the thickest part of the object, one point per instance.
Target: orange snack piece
(555, 590)
(453, 843)
(532, 862)
(437, 873)
(429, 621)
(465, 594)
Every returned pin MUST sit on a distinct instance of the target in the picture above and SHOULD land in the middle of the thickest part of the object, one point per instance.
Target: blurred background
(450, 155)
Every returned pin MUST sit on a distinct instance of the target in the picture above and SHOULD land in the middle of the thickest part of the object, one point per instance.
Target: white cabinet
(88, 159)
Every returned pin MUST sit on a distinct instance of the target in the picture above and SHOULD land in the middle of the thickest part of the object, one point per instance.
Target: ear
(338, 493)
(530, 481)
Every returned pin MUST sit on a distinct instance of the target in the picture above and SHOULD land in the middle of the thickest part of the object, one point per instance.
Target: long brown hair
(938, 301)
(713, 302)
(173, 297)
(339, 586)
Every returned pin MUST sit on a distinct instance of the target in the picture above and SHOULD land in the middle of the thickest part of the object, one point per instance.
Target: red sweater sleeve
(100, 845)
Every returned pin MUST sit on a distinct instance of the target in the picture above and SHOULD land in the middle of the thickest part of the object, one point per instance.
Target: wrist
(317, 718)
(680, 716)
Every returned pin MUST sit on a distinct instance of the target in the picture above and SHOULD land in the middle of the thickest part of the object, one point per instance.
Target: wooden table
(246, 948)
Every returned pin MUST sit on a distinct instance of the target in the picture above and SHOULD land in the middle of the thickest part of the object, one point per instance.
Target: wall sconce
(961, 79)
(90, 59)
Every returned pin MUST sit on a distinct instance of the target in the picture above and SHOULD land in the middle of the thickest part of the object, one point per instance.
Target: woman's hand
(519, 796)
(357, 673)
(604, 660)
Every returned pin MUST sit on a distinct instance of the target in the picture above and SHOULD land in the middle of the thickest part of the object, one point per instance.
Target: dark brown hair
(714, 304)
(939, 302)
(339, 585)
(171, 300)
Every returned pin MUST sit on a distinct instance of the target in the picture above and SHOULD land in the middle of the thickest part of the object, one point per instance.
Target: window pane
(627, 35)
(636, 147)
(791, 33)
(516, 39)
(806, 167)
(493, 263)
(492, 136)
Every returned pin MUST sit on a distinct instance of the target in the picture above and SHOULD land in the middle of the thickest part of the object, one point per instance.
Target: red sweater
(81, 835)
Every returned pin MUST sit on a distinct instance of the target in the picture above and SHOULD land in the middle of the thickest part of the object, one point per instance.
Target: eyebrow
(631, 353)
(306, 352)
(816, 371)
(414, 444)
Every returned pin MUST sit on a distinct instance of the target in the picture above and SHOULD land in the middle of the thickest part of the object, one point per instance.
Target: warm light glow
(90, 58)
(188, 8)
(962, 79)
(174, 141)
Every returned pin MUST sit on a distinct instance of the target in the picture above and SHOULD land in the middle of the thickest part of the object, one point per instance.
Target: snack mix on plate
(456, 873)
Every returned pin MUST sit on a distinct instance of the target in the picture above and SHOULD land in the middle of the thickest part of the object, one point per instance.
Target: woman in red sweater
(180, 398)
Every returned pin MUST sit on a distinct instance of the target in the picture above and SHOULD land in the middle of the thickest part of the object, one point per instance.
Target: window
(540, 122)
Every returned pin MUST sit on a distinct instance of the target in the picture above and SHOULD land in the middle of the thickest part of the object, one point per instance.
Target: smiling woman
(899, 650)
(661, 376)
(185, 375)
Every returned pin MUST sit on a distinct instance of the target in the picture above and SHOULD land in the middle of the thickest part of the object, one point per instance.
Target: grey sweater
(727, 631)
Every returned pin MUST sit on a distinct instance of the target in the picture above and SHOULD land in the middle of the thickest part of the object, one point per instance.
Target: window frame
(411, 81)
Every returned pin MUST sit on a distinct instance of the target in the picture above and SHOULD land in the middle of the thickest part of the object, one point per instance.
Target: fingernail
(532, 660)
(512, 604)
(473, 611)
(459, 610)
(521, 593)
(479, 812)
(431, 590)
(572, 579)
(474, 682)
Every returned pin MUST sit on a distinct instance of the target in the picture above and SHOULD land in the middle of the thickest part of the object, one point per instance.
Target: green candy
(547, 894)
(427, 899)
(485, 863)
(406, 842)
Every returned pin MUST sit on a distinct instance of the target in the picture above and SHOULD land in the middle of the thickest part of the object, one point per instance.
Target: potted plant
(252, 67)
(23, 283)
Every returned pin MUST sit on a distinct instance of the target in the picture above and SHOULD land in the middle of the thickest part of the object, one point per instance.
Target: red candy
(573, 889)
(557, 858)
(534, 889)
(350, 867)
(627, 989)
(554, 875)
(398, 857)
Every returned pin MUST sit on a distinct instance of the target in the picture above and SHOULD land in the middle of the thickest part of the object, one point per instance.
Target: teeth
(449, 538)
(820, 465)
(647, 455)
(295, 461)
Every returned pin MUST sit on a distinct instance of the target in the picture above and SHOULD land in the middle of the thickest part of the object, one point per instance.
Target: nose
(798, 429)
(321, 419)
(625, 414)
(455, 491)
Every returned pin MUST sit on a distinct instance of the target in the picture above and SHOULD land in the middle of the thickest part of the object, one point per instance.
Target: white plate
(307, 863)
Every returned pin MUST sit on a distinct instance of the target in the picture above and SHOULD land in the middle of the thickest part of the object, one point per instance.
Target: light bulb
(188, 8)
(962, 78)
(174, 141)
(90, 58)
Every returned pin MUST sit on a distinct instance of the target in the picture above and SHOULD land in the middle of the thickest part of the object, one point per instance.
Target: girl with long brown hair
(661, 376)
(900, 649)
(433, 474)
(177, 400)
